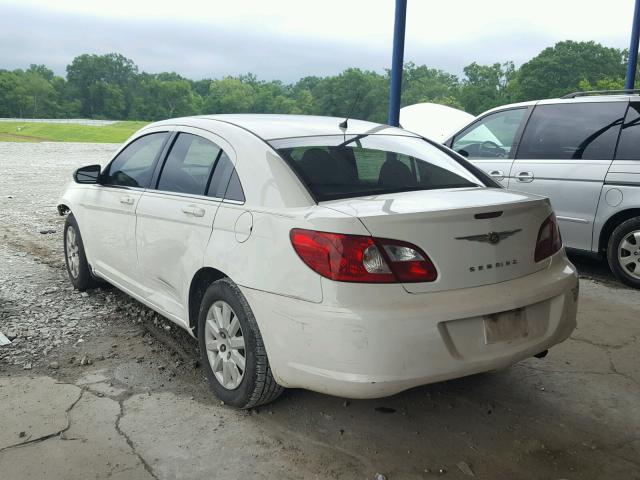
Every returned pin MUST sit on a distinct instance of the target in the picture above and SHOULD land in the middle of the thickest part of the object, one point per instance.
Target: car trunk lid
(474, 236)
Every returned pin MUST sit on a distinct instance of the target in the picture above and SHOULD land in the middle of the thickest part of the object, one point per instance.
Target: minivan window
(565, 131)
(630, 135)
(188, 165)
(133, 167)
(493, 136)
(338, 166)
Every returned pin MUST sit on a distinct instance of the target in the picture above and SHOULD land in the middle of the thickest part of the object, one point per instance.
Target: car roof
(271, 127)
(553, 101)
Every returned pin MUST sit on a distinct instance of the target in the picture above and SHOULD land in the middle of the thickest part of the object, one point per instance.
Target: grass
(67, 132)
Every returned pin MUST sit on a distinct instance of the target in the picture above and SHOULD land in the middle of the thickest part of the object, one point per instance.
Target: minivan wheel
(623, 252)
(75, 258)
(233, 354)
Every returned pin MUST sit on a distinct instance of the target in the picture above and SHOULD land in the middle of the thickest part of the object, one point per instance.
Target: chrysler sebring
(345, 257)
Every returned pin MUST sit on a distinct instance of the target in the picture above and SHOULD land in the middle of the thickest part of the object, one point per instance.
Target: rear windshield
(340, 166)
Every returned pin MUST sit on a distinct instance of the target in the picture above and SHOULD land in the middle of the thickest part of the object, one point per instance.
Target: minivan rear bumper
(368, 341)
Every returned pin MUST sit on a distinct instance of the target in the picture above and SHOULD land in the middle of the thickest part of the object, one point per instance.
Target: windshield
(338, 166)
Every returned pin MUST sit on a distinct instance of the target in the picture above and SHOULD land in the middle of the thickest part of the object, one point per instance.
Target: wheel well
(199, 284)
(612, 223)
(63, 209)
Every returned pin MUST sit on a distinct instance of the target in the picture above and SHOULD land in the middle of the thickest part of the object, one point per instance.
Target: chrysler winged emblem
(491, 237)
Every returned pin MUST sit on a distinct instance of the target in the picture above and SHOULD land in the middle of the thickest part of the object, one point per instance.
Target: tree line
(112, 87)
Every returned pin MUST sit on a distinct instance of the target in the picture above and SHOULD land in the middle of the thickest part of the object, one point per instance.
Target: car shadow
(592, 268)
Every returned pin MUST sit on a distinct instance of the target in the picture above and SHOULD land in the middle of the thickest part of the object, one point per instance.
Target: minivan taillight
(364, 259)
(549, 239)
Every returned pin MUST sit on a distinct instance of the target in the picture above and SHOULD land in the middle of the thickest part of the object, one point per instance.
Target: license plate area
(505, 326)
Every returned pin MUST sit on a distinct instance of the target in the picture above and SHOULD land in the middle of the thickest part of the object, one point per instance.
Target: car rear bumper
(387, 340)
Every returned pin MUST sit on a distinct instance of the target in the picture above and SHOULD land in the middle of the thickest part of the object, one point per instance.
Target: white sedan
(349, 258)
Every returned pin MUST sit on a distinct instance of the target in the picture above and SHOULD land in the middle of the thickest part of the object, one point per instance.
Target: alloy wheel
(73, 252)
(225, 345)
(629, 254)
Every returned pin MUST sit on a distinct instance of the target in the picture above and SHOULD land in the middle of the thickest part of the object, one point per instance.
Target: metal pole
(633, 48)
(397, 62)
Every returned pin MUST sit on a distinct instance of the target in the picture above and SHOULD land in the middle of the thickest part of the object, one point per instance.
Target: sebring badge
(491, 237)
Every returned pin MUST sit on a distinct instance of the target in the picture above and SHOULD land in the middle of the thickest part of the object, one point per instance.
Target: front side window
(494, 136)
(565, 131)
(133, 167)
(338, 166)
(630, 135)
(188, 165)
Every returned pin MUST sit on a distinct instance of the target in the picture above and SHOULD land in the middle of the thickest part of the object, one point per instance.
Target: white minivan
(583, 152)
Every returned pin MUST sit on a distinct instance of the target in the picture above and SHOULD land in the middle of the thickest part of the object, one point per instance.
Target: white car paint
(432, 120)
(348, 339)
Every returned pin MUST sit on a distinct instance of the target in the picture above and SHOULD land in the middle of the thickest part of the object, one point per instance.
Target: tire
(226, 343)
(623, 252)
(75, 258)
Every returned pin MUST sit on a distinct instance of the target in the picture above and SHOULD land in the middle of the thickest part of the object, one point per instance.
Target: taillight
(549, 239)
(358, 258)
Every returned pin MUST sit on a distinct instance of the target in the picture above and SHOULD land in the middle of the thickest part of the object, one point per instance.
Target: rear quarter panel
(261, 257)
(621, 191)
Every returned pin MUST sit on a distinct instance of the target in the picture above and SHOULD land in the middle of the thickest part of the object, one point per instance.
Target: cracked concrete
(87, 446)
(33, 409)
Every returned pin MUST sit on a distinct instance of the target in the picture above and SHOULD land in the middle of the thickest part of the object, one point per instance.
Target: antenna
(345, 123)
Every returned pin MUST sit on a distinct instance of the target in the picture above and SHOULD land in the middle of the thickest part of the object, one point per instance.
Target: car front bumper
(368, 341)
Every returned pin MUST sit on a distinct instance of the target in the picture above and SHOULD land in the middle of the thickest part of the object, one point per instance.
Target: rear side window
(494, 136)
(133, 166)
(629, 144)
(225, 182)
(577, 131)
(188, 165)
(340, 166)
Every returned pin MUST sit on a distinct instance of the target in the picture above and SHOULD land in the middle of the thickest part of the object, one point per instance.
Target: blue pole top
(633, 48)
(397, 63)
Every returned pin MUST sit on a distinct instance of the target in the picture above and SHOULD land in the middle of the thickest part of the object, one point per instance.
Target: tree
(101, 79)
(229, 95)
(485, 86)
(39, 91)
(354, 93)
(13, 96)
(558, 70)
(424, 84)
(155, 98)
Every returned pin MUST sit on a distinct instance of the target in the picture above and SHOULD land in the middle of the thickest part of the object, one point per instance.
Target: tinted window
(492, 137)
(188, 165)
(221, 176)
(234, 189)
(133, 166)
(629, 144)
(572, 131)
(341, 167)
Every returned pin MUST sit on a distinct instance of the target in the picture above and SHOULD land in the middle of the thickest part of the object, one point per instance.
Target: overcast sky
(289, 39)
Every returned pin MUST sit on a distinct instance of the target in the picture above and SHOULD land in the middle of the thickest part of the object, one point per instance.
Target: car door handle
(127, 200)
(525, 177)
(497, 174)
(193, 210)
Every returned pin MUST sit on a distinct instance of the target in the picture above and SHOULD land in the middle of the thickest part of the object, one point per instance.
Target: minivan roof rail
(601, 92)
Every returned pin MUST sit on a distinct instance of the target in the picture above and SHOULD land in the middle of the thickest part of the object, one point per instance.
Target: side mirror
(463, 152)
(88, 174)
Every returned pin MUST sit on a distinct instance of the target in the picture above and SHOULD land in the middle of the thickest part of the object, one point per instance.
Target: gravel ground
(573, 415)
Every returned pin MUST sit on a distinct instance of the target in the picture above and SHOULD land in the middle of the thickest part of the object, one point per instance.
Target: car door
(491, 141)
(565, 152)
(108, 223)
(175, 218)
